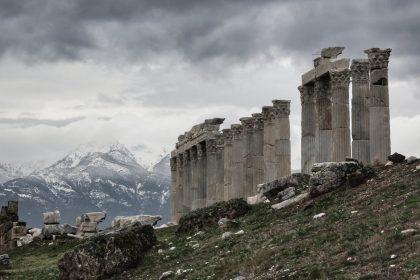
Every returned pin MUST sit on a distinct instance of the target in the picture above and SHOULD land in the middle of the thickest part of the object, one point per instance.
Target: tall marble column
(173, 194)
(257, 150)
(248, 126)
(309, 145)
(379, 119)
(194, 177)
(323, 109)
(220, 168)
(282, 137)
(180, 185)
(269, 148)
(227, 164)
(201, 199)
(186, 191)
(237, 165)
(339, 81)
(211, 149)
(360, 110)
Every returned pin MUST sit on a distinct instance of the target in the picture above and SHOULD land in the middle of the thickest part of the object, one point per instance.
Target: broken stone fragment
(89, 227)
(410, 231)
(96, 217)
(396, 158)
(298, 181)
(166, 275)
(411, 159)
(123, 221)
(51, 218)
(5, 262)
(331, 52)
(290, 201)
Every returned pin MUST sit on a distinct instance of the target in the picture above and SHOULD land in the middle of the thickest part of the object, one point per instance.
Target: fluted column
(211, 149)
(237, 165)
(220, 168)
(323, 109)
(309, 145)
(180, 185)
(173, 194)
(340, 80)
(200, 201)
(194, 177)
(227, 164)
(379, 119)
(360, 110)
(247, 124)
(269, 148)
(282, 137)
(186, 191)
(257, 150)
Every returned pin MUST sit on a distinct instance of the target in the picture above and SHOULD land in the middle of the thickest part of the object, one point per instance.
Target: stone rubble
(123, 221)
(167, 275)
(5, 262)
(11, 229)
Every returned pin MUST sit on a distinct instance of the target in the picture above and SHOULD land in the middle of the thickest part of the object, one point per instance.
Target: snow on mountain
(91, 178)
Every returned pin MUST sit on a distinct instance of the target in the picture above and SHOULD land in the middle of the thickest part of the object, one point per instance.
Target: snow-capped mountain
(9, 171)
(90, 179)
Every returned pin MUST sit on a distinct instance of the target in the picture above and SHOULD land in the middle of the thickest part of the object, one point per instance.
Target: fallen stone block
(96, 217)
(209, 216)
(108, 254)
(123, 221)
(286, 194)
(88, 227)
(68, 229)
(25, 240)
(411, 159)
(5, 262)
(52, 229)
(51, 218)
(396, 158)
(35, 232)
(270, 190)
(290, 201)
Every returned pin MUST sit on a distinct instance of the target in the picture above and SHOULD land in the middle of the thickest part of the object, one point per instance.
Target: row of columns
(231, 163)
(326, 115)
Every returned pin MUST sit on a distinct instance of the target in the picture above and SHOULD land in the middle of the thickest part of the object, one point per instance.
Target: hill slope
(289, 244)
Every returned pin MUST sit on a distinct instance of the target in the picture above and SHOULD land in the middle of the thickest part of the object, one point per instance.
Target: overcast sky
(143, 72)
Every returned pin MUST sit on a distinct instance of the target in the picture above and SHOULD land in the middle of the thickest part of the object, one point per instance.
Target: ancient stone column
(282, 138)
(201, 199)
(269, 148)
(309, 145)
(360, 110)
(186, 191)
(237, 165)
(227, 164)
(173, 195)
(220, 194)
(339, 82)
(194, 177)
(323, 109)
(379, 119)
(180, 186)
(211, 149)
(248, 172)
(257, 150)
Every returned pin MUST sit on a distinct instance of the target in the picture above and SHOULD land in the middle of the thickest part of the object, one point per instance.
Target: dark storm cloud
(30, 122)
(200, 31)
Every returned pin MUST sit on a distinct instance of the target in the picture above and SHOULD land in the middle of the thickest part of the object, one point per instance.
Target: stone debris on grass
(354, 212)
(320, 215)
(5, 262)
(172, 248)
(389, 163)
(396, 158)
(290, 201)
(410, 231)
(240, 232)
(411, 159)
(166, 275)
(123, 221)
(393, 256)
(226, 235)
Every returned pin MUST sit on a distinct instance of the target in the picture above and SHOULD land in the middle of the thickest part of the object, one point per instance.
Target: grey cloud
(30, 122)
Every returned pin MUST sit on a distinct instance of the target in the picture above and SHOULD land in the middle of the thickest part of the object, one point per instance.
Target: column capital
(179, 161)
(172, 163)
(359, 70)
(211, 146)
(193, 154)
(340, 77)
(378, 58)
(247, 124)
(322, 89)
(258, 121)
(201, 152)
(281, 108)
(268, 113)
(306, 94)
(227, 136)
(236, 131)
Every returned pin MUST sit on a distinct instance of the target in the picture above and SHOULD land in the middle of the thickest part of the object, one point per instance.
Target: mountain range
(89, 179)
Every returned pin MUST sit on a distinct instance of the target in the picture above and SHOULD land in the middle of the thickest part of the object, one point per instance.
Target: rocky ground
(361, 235)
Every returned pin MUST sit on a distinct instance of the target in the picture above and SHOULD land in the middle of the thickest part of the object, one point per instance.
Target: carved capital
(322, 89)
(281, 108)
(211, 146)
(201, 151)
(179, 161)
(247, 124)
(378, 58)
(268, 113)
(193, 154)
(258, 121)
(306, 94)
(340, 77)
(236, 131)
(359, 70)
(227, 136)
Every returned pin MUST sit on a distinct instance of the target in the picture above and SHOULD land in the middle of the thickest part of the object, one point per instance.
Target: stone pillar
(379, 119)
(257, 150)
(323, 109)
(237, 165)
(282, 137)
(309, 145)
(269, 148)
(194, 177)
(211, 149)
(180, 186)
(360, 110)
(186, 191)
(248, 172)
(200, 201)
(220, 194)
(173, 194)
(227, 164)
(339, 81)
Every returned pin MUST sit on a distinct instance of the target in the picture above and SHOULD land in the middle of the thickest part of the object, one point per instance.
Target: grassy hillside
(354, 240)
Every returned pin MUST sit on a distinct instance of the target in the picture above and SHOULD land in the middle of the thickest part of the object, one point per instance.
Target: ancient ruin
(11, 229)
(209, 165)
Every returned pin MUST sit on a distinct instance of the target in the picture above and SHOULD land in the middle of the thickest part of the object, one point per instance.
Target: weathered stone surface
(53, 229)
(96, 217)
(290, 201)
(167, 275)
(411, 159)
(271, 190)
(331, 52)
(123, 221)
(51, 217)
(209, 216)
(88, 227)
(108, 254)
(286, 194)
(5, 262)
(396, 158)
(258, 198)
(328, 176)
